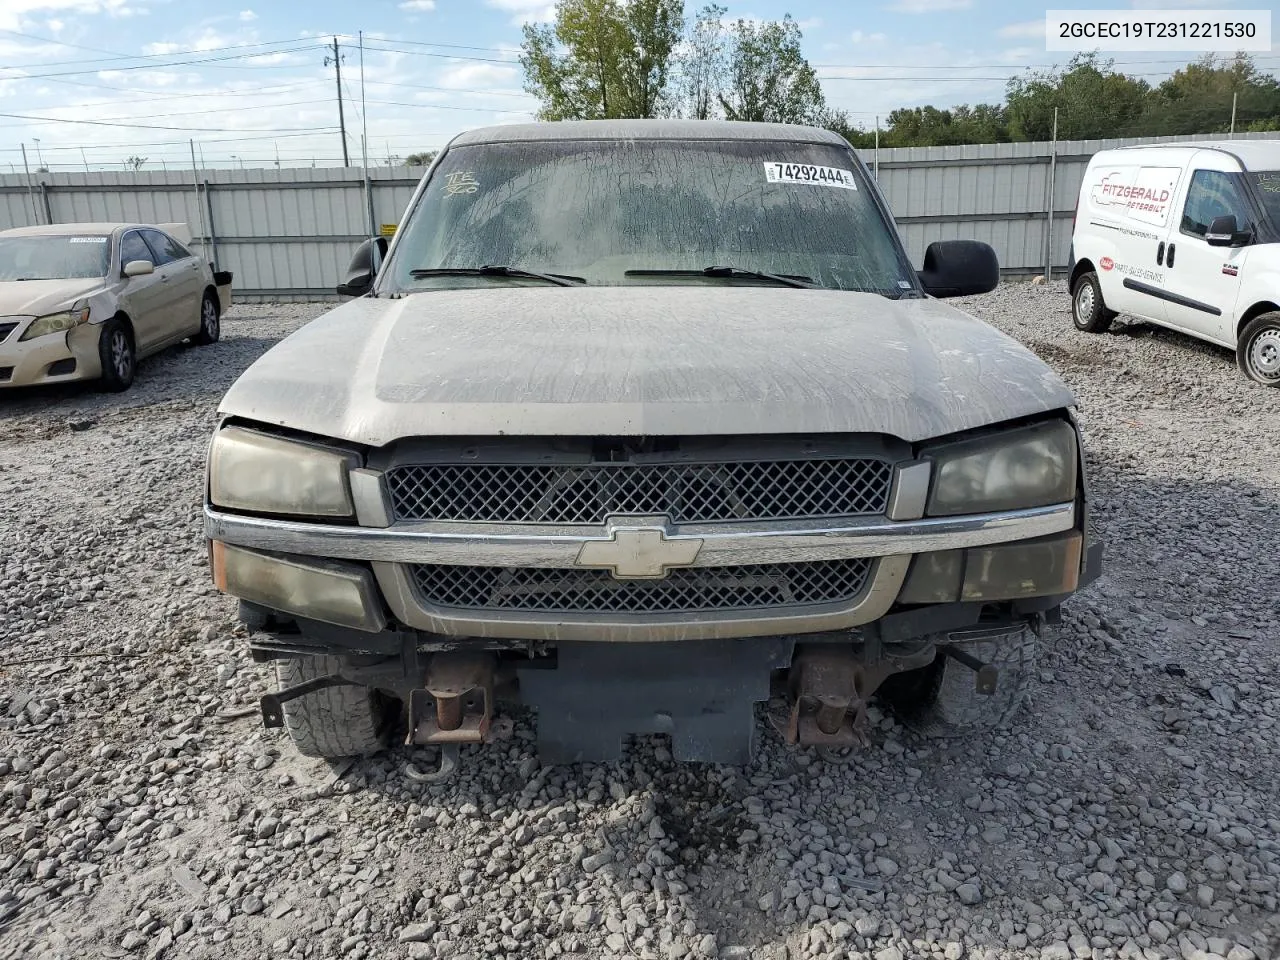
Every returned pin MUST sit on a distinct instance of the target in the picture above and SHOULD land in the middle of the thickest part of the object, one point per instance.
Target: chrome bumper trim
(723, 544)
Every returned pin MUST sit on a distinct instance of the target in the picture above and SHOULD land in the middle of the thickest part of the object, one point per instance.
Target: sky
(95, 82)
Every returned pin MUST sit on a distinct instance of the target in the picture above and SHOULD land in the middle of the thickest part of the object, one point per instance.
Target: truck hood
(34, 298)
(642, 361)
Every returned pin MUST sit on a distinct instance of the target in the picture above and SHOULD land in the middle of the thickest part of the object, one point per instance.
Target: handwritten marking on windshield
(460, 182)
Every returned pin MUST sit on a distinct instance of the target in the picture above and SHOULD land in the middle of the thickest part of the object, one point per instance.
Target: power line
(142, 126)
(116, 55)
(175, 63)
(180, 113)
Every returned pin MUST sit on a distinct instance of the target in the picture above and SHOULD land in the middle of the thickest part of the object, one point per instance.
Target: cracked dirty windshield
(602, 211)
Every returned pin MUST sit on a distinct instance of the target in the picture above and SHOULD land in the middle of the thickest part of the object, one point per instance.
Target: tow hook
(454, 706)
(985, 676)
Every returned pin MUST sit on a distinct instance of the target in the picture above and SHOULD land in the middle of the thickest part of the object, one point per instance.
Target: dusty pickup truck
(643, 424)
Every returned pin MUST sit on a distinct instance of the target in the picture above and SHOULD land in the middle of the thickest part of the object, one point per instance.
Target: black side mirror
(1225, 232)
(363, 267)
(959, 268)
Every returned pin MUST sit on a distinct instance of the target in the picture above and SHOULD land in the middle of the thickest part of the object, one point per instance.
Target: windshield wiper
(492, 270)
(786, 279)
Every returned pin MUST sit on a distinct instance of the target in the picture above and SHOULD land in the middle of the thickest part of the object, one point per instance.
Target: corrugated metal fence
(289, 233)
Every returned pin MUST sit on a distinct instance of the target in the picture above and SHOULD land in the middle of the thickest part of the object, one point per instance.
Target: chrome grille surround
(685, 590)
(707, 492)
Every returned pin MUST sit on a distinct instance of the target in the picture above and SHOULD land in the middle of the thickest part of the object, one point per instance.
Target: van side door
(1130, 211)
(1202, 282)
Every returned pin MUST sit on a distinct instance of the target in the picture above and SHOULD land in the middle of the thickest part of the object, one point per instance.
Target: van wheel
(1258, 350)
(1088, 310)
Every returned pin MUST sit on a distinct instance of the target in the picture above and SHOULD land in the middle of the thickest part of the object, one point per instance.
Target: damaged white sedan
(86, 301)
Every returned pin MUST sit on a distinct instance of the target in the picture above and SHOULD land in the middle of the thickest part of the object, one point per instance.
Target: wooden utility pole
(336, 60)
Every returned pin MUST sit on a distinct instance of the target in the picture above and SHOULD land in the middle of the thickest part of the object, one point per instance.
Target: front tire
(336, 722)
(118, 355)
(1088, 310)
(1258, 349)
(941, 700)
(210, 322)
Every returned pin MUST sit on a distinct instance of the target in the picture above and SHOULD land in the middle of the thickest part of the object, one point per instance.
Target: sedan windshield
(650, 212)
(53, 258)
(1268, 184)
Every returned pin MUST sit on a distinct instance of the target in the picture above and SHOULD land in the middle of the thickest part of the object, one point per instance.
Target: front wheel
(334, 722)
(1088, 311)
(941, 700)
(1258, 349)
(118, 356)
(210, 324)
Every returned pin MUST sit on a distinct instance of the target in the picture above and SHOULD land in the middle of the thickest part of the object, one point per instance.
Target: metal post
(1048, 206)
(877, 156)
(195, 180)
(364, 144)
(31, 191)
(213, 233)
(1232, 134)
(342, 123)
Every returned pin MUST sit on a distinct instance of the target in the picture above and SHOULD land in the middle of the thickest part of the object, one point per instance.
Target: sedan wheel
(210, 325)
(119, 359)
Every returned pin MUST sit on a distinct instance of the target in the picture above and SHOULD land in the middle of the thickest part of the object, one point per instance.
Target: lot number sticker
(778, 172)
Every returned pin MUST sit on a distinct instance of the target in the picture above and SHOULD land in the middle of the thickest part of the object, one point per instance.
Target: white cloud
(526, 11)
(929, 6)
(1166, 4)
(469, 76)
(247, 15)
(1027, 28)
(55, 25)
(418, 6)
(13, 12)
(859, 37)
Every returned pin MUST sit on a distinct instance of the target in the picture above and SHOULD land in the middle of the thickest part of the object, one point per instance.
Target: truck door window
(1212, 194)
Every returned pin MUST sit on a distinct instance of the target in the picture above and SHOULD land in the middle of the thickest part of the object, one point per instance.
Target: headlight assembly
(56, 322)
(267, 474)
(1028, 467)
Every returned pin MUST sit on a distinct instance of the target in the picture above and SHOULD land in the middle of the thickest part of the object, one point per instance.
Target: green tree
(602, 58)
(703, 66)
(931, 127)
(769, 79)
(838, 121)
(422, 159)
(1197, 98)
(1092, 100)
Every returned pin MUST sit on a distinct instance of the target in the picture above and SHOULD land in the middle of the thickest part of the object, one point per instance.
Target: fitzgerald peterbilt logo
(1145, 193)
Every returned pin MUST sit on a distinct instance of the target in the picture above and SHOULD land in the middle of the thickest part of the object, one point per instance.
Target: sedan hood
(34, 298)
(642, 361)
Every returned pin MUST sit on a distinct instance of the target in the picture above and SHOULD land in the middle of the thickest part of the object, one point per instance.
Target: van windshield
(650, 211)
(1268, 184)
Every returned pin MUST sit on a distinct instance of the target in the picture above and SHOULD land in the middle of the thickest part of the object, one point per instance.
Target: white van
(1186, 236)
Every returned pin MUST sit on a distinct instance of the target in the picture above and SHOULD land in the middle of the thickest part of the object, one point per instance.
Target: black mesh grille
(685, 492)
(685, 590)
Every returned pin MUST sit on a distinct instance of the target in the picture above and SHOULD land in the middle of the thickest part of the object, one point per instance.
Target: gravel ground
(1131, 813)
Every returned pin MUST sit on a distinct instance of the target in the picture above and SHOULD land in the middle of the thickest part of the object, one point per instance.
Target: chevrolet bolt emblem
(639, 552)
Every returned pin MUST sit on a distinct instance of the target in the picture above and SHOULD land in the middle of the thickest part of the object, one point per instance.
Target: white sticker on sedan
(778, 172)
(86, 240)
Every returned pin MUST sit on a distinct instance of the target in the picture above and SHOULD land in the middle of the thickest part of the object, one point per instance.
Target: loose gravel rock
(1131, 812)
